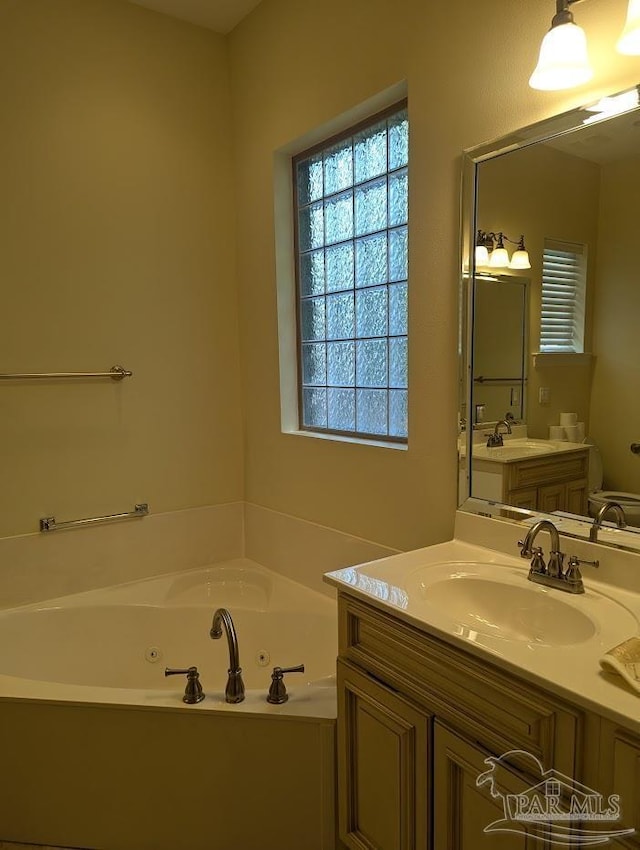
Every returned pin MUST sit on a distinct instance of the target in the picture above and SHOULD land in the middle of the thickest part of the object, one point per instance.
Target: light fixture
(498, 257)
(629, 41)
(563, 61)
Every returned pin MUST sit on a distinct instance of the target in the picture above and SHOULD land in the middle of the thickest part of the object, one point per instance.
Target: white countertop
(400, 586)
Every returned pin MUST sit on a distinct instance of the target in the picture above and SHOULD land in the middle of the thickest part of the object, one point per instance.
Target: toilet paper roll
(556, 432)
(572, 433)
(581, 432)
(568, 419)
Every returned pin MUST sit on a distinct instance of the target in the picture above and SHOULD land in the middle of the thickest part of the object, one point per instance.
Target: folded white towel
(624, 659)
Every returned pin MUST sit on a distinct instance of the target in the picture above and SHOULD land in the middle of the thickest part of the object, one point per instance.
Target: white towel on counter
(624, 659)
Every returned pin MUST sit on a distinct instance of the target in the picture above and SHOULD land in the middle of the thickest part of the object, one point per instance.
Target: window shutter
(563, 296)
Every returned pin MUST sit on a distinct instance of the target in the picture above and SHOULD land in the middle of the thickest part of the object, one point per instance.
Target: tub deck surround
(570, 670)
(38, 566)
(131, 632)
(102, 752)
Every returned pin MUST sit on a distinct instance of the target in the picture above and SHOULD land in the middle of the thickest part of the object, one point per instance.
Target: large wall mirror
(553, 351)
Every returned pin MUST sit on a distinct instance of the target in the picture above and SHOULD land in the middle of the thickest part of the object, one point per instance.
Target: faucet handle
(193, 692)
(537, 562)
(278, 692)
(574, 562)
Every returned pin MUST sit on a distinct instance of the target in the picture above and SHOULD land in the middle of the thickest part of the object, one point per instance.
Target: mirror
(499, 370)
(571, 185)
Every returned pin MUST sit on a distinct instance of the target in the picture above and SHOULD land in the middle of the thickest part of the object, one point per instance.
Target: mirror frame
(558, 125)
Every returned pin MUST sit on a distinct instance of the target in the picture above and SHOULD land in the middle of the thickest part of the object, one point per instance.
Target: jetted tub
(99, 751)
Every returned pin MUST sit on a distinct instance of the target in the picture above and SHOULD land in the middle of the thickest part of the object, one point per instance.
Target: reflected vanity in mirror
(554, 355)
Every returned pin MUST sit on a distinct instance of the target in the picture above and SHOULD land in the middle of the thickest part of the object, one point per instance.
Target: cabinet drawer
(546, 470)
(499, 711)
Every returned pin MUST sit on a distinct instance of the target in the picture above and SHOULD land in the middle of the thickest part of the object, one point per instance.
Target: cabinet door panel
(551, 498)
(463, 810)
(383, 763)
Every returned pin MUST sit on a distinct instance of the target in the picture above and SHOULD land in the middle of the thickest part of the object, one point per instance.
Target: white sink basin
(510, 612)
(481, 601)
(522, 448)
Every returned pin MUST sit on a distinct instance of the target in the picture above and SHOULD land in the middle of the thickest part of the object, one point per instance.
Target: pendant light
(563, 61)
(629, 41)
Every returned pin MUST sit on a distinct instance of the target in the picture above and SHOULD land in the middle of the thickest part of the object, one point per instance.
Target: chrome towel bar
(116, 373)
(49, 523)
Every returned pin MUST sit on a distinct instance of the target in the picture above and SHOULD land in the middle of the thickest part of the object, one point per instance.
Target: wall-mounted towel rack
(116, 373)
(49, 523)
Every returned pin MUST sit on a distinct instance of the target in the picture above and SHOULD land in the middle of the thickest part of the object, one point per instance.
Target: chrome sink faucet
(234, 692)
(552, 575)
(495, 439)
(621, 520)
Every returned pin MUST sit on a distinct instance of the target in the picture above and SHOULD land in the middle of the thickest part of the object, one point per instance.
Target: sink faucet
(234, 692)
(552, 575)
(495, 439)
(621, 520)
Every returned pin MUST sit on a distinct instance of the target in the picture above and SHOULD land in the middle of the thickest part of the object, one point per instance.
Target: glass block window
(351, 206)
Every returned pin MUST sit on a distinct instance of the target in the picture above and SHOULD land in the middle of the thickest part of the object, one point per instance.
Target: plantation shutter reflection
(563, 296)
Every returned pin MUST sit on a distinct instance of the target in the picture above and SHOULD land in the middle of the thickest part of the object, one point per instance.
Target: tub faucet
(495, 439)
(234, 692)
(621, 520)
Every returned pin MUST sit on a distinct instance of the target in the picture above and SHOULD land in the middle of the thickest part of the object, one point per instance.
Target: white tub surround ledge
(563, 658)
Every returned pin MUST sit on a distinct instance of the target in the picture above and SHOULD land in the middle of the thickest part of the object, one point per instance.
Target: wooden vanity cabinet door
(577, 501)
(461, 809)
(551, 498)
(620, 775)
(383, 766)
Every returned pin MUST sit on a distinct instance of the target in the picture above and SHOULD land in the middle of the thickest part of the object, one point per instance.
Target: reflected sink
(484, 601)
(515, 449)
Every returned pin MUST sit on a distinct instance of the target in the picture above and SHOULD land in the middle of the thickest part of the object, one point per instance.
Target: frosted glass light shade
(499, 258)
(520, 260)
(563, 61)
(629, 41)
(482, 255)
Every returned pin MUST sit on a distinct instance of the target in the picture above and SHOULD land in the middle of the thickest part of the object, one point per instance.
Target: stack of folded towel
(624, 659)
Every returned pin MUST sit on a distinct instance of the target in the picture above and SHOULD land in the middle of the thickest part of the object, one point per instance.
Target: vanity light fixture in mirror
(579, 175)
(564, 61)
(496, 256)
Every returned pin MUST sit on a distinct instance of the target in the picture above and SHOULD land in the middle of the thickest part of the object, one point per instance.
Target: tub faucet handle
(193, 692)
(278, 692)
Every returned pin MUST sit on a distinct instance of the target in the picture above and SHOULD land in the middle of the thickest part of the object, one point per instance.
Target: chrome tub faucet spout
(234, 692)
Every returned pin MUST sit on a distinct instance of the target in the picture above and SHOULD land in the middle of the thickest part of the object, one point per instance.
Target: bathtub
(99, 751)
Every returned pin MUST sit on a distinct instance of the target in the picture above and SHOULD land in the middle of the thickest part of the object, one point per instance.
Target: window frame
(328, 433)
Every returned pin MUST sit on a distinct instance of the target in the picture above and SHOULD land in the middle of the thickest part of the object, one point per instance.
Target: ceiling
(219, 15)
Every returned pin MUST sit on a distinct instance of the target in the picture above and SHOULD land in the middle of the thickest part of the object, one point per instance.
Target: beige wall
(297, 65)
(116, 246)
(615, 402)
(117, 231)
(543, 192)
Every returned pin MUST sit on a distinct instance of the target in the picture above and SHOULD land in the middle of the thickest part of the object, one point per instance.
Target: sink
(489, 603)
(522, 448)
(510, 612)
(515, 449)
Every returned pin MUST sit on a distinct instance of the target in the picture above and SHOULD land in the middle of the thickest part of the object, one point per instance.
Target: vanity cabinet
(417, 720)
(620, 774)
(547, 483)
(558, 482)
